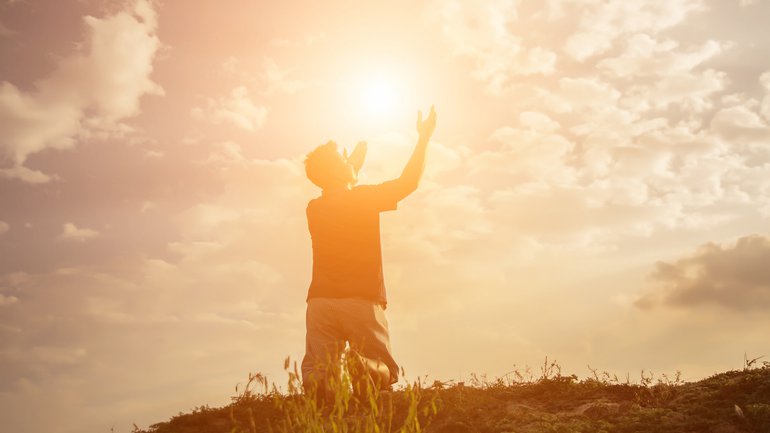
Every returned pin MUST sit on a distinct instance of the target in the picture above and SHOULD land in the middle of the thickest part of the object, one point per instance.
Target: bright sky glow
(379, 97)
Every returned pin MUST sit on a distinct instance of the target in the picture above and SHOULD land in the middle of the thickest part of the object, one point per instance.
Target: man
(346, 300)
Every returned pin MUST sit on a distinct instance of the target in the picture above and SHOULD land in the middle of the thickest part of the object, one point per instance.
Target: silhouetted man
(346, 300)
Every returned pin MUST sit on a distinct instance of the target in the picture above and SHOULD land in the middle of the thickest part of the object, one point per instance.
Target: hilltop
(734, 401)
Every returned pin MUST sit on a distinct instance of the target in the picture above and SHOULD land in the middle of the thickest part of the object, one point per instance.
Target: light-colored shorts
(331, 322)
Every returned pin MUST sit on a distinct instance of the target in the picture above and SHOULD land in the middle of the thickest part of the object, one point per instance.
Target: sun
(375, 93)
(378, 96)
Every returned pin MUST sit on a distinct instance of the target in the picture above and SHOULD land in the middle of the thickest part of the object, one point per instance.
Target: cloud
(306, 41)
(739, 122)
(99, 316)
(646, 56)
(538, 121)
(691, 92)
(507, 40)
(237, 109)
(482, 32)
(591, 169)
(30, 124)
(639, 139)
(221, 243)
(587, 43)
(764, 79)
(278, 80)
(265, 75)
(617, 173)
(735, 277)
(88, 91)
(590, 93)
(26, 174)
(529, 154)
(602, 23)
(4, 227)
(7, 300)
(746, 131)
(71, 232)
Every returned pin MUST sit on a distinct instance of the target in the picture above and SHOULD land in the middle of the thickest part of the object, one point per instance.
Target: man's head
(327, 168)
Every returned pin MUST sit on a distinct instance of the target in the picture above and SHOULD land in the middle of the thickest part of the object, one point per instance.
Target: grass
(349, 402)
(520, 401)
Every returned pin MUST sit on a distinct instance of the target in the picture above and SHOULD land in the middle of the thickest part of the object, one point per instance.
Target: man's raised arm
(410, 177)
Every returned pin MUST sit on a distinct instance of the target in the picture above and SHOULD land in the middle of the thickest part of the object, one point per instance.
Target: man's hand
(356, 159)
(410, 177)
(425, 128)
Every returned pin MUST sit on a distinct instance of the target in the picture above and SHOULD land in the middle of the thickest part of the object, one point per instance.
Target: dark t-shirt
(345, 229)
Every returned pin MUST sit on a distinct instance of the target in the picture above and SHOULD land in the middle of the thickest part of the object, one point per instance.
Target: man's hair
(322, 165)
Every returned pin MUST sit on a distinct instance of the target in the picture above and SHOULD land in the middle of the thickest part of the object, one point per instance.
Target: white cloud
(531, 98)
(226, 152)
(26, 174)
(537, 121)
(154, 154)
(30, 124)
(615, 172)
(88, 91)
(238, 109)
(739, 121)
(7, 300)
(265, 75)
(482, 31)
(523, 159)
(147, 205)
(504, 44)
(588, 93)
(690, 92)
(586, 43)
(644, 143)
(646, 56)
(72, 232)
(764, 79)
(278, 80)
(307, 40)
(602, 23)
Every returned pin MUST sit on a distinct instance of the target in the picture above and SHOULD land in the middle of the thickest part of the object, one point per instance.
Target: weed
(657, 392)
(550, 371)
(347, 401)
(748, 364)
(517, 401)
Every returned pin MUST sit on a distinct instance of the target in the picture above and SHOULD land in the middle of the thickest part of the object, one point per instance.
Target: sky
(597, 190)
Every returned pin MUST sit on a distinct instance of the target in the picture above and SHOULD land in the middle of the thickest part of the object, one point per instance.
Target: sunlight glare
(378, 97)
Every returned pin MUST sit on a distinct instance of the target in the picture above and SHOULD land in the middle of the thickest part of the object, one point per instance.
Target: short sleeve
(380, 197)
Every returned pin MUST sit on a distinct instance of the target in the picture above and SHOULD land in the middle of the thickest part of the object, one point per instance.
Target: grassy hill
(734, 401)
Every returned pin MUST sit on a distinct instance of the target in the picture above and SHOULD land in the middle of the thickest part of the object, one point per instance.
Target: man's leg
(369, 338)
(323, 344)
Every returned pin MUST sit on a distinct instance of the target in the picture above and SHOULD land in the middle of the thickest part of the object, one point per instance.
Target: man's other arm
(410, 177)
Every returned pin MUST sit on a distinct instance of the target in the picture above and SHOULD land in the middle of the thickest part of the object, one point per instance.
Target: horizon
(597, 191)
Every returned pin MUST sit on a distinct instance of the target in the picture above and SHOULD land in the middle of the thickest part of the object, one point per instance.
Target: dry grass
(520, 401)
